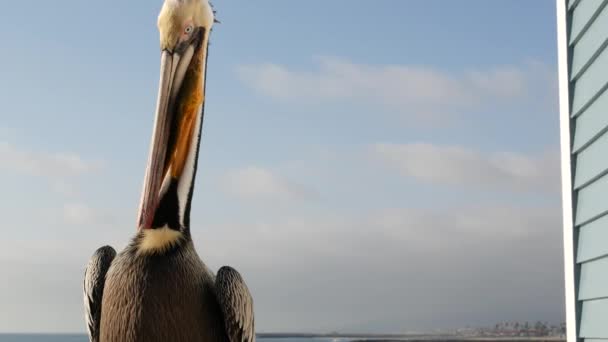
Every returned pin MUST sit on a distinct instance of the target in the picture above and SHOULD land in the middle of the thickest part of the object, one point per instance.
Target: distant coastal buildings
(503, 331)
(515, 329)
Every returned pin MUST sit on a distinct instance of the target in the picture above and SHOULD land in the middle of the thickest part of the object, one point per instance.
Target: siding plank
(572, 3)
(591, 42)
(582, 16)
(591, 83)
(591, 162)
(594, 279)
(592, 201)
(591, 123)
(593, 319)
(592, 240)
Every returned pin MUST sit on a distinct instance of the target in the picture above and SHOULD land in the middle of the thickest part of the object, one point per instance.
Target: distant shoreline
(467, 339)
(411, 337)
(359, 337)
(374, 337)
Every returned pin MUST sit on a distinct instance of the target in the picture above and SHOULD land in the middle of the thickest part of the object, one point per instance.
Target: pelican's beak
(180, 95)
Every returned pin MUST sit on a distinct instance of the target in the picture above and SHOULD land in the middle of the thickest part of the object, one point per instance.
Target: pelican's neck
(185, 186)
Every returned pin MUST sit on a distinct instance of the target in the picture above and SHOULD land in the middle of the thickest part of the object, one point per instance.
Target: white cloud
(259, 183)
(79, 213)
(457, 165)
(414, 89)
(65, 188)
(60, 169)
(372, 265)
(43, 163)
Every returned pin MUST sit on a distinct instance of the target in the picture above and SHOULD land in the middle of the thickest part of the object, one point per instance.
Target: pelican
(158, 288)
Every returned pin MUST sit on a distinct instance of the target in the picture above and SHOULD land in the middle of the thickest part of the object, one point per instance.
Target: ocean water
(84, 338)
(43, 338)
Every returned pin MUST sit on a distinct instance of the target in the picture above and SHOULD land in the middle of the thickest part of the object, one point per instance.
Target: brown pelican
(157, 288)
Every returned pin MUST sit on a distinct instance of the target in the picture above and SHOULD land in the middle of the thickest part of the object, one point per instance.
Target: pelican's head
(184, 27)
(180, 21)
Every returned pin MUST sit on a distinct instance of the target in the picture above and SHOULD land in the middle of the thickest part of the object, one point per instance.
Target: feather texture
(94, 281)
(236, 304)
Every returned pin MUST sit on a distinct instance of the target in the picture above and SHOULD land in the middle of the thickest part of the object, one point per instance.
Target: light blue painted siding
(582, 17)
(593, 38)
(591, 83)
(592, 162)
(594, 280)
(593, 318)
(572, 3)
(593, 240)
(592, 202)
(591, 123)
(588, 39)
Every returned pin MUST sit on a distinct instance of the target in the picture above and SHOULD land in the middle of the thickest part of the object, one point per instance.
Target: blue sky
(377, 166)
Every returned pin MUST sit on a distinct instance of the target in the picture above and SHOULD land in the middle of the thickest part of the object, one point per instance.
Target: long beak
(174, 67)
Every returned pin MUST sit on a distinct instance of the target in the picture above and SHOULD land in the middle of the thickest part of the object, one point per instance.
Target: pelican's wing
(237, 305)
(94, 280)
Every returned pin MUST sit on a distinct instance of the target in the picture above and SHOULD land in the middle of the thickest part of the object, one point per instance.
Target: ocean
(84, 338)
(43, 338)
(429, 338)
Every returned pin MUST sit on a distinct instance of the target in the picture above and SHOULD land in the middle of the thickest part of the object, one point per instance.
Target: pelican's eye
(188, 29)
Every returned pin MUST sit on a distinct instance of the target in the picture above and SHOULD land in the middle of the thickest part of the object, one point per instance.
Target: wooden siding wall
(588, 38)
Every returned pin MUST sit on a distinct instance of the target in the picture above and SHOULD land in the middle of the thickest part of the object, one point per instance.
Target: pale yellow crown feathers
(176, 13)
